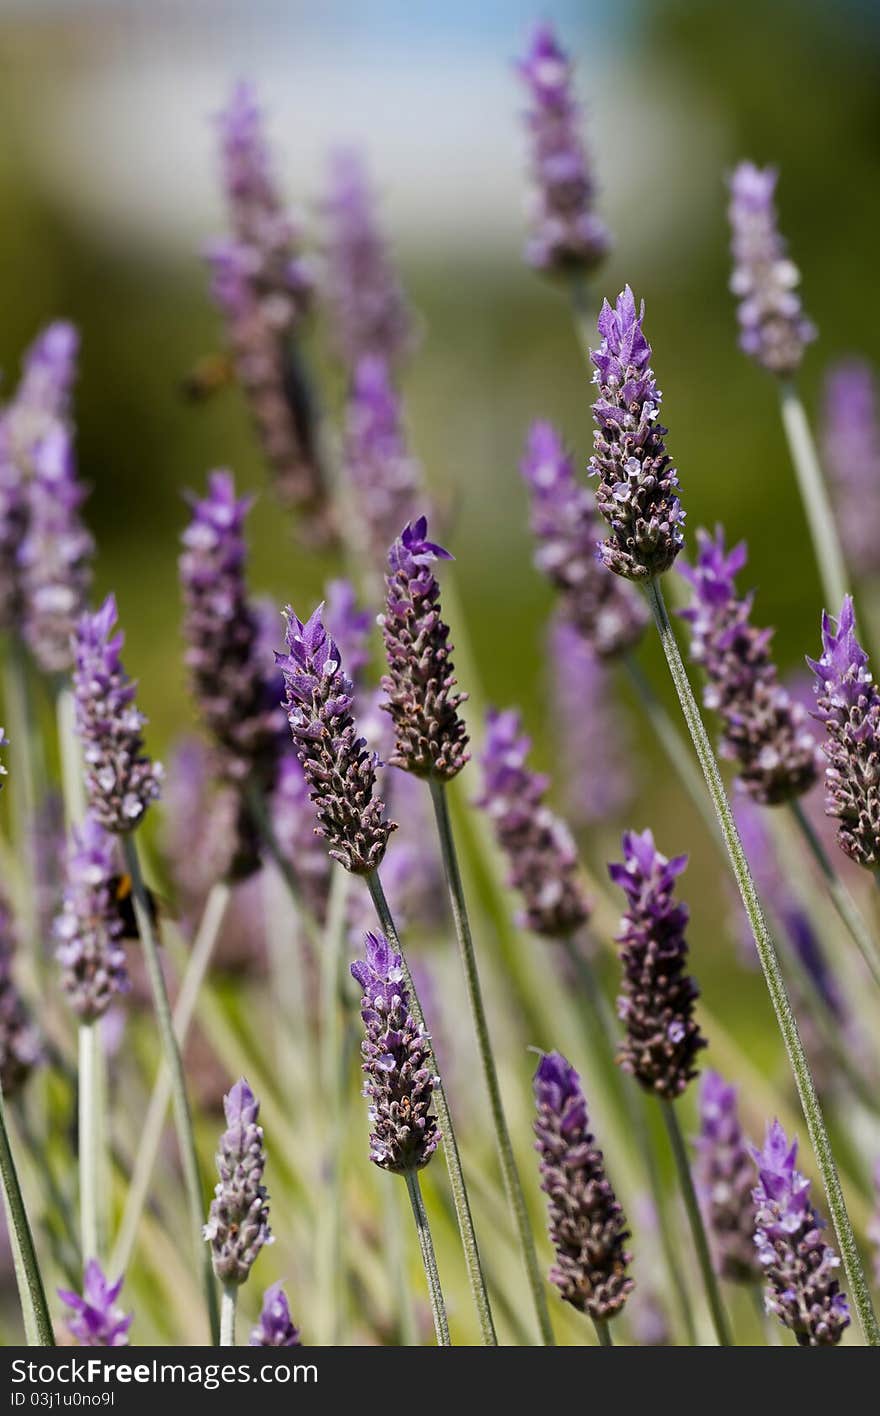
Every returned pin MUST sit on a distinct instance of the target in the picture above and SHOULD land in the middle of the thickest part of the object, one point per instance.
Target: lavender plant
(20, 1045)
(275, 1328)
(851, 453)
(599, 784)
(238, 1221)
(95, 1319)
(725, 1181)
(383, 474)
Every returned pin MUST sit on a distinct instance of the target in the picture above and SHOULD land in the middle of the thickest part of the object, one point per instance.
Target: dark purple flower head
(88, 931)
(340, 771)
(607, 612)
(587, 1225)
(385, 478)
(848, 703)
(593, 741)
(94, 1319)
(765, 731)
(725, 1178)
(275, 1328)
(799, 1267)
(851, 446)
(20, 1049)
(773, 327)
(422, 698)
(238, 1221)
(637, 490)
(567, 236)
(540, 851)
(367, 307)
(397, 1064)
(658, 995)
(120, 780)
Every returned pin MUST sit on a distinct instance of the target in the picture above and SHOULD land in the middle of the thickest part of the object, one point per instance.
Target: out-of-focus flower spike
(725, 1178)
(593, 741)
(851, 447)
(20, 1049)
(275, 1328)
(95, 1320)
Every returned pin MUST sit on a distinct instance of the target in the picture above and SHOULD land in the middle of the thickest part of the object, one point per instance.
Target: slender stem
(72, 776)
(90, 1100)
(603, 1332)
(197, 966)
(842, 900)
(814, 495)
(186, 1141)
(31, 1294)
(405, 1325)
(509, 1171)
(818, 1132)
(429, 1258)
(450, 1145)
(228, 1305)
(333, 1067)
(698, 1229)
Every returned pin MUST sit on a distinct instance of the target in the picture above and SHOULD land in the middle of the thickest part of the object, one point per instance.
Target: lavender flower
(275, 1328)
(725, 1178)
(538, 845)
(397, 1064)
(431, 738)
(764, 730)
(567, 236)
(800, 1268)
(772, 324)
(587, 1224)
(95, 1320)
(340, 772)
(848, 703)
(89, 930)
(238, 1221)
(637, 491)
(598, 781)
(367, 307)
(19, 1039)
(607, 612)
(851, 446)
(657, 1001)
(120, 780)
(385, 478)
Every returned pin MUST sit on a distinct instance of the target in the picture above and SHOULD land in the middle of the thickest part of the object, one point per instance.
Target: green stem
(186, 1141)
(814, 495)
(603, 1332)
(72, 776)
(331, 1268)
(429, 1258)
(842, 900)
(509, 1171)
(90, 1129)
(450, 1145)
(698, 1229)
(852, 1263)
(228, 1305)
(31, 1293)
(404, 1318)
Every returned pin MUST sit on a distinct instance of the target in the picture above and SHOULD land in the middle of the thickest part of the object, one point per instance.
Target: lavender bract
(658, 995)
(422, 698)
(89, 930)
(765, 731)
(587, 1224)
(725, 1178)
(275, 1328)
(637, 490)
(851, 448)
(20, 1049)
(238, 1221)
(593, 741)
(568, 237)
(773, 327)
(94, 1319)
(385, 477)
(799, 1267)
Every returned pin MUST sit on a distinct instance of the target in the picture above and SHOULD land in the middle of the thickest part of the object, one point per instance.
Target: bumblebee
(123, 898)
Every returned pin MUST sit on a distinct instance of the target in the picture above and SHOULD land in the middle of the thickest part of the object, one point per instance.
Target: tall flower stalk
(238, 1220)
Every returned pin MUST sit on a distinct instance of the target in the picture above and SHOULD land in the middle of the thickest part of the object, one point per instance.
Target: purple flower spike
(587, 1224)
(88, 931)
(540, 851)
(637, 491)
(386, 479)
(430, 735)
(367, 307)
(275, 1328)
(340, 771)
(725, 1178)
(397, 1064)
(120, 780)
(238, 1221)
(94, 1319)
(599, 783)
(20, 1049)
(773, 327)
(658, 995)
(567, 236)
(851, 447)
(765, 730)
(848, 703)
(799, 1267)
(608, 613)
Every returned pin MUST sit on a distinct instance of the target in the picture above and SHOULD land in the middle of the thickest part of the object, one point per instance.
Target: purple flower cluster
(422, 698)
(598, 781)
(238, 1221)
(385, 477)
(725, 1180)
(765, 731)
(275, 1328)
(540, 851)
(397, 1064)
(587, 1224)
(637, 490)
(851, 446)
(95, 1320)
(608, 614)
(19, 1039)
(848, 703)
(88, 931)
(658, 995)
(772, 324)
(799, 1267)
(567, 236)
(120, 780)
